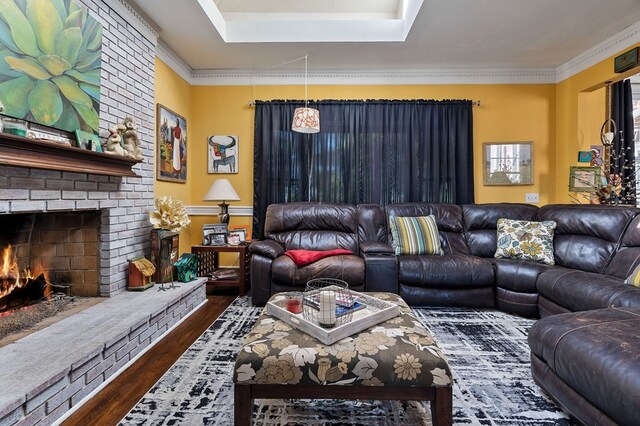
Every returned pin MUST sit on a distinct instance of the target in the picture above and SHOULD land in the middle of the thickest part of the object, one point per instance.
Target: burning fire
(10, 277)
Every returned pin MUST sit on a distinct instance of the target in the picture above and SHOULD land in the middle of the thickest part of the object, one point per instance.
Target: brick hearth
(49, 372)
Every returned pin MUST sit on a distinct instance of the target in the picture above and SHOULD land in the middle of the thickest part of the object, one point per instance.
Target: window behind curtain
(378, 152)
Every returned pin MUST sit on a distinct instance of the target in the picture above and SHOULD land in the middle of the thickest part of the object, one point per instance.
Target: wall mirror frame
(507, 163)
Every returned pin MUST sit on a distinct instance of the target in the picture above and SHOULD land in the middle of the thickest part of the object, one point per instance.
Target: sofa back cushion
(627, 257)
(313, 226)
(480, 223)
(448, 218)
(372, 223)
(586, 235)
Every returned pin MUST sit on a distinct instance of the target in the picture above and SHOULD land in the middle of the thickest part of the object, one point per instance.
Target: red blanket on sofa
(306, 257)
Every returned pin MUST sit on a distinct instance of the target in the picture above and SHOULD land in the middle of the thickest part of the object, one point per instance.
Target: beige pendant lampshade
(306, 120)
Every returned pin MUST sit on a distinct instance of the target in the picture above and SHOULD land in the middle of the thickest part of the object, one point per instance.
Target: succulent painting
(50, 63)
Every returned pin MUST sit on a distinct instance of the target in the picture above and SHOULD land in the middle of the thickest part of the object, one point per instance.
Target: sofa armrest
(375, 247)
(260, 274)
(380, 272)
(267, 248)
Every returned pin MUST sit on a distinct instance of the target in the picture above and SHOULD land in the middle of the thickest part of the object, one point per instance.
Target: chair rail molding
(214, 210)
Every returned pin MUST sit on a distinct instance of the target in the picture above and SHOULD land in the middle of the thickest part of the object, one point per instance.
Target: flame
(10, 277)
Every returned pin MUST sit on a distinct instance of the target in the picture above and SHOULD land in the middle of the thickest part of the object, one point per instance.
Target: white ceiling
(446, 34)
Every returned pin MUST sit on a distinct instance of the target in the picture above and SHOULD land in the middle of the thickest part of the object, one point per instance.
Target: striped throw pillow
(415, 235)
(634, 278)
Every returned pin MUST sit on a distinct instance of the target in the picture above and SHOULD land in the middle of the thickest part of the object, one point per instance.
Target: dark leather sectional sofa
(595, 249)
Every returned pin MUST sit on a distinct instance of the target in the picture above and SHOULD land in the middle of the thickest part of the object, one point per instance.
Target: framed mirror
(508, 163)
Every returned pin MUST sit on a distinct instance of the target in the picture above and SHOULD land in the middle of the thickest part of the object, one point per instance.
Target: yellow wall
(580, 112)
(560, 119)
(174, 93)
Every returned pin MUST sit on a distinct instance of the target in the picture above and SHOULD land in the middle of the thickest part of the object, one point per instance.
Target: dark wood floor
(112, 403)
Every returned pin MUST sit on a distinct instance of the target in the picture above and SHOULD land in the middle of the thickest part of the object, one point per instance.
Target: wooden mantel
(39, 154)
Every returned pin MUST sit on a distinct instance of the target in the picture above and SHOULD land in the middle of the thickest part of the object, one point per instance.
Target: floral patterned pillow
(521, 239)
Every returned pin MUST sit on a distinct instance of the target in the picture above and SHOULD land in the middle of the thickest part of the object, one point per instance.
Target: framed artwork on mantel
(508, 163)
(171, 145)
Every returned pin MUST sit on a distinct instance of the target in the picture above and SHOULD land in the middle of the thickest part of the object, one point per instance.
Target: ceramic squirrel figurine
(131, 139)
(114, 140)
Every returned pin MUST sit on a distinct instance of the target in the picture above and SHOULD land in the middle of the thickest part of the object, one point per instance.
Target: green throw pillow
(522, 239)
(634, 278)
(415, 235)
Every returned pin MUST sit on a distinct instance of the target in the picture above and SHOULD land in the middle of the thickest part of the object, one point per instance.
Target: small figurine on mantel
(114, 141)
(131, 139)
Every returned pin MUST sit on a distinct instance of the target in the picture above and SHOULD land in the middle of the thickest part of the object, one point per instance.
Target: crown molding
(607, 48)
(174, 61)
(375, 77)
(143, 24)
(213, 211)
(601, 51)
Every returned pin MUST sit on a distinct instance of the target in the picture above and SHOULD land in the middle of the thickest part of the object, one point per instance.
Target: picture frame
(242, 230)
(211, 232)
(171, 145)
(217, 239)
(222, 154)
(584, 156)
(584, 178)
(508, 163)
(237, 236)
(89, 141)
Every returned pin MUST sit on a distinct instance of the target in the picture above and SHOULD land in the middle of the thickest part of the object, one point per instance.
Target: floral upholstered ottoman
(394, 360)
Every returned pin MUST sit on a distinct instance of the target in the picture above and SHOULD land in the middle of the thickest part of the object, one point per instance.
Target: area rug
(487, 351)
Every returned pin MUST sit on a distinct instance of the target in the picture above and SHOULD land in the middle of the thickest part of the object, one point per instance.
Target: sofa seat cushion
(454, 270)
(582, 291)
(518, 275)
(348, 268)
(596, 354)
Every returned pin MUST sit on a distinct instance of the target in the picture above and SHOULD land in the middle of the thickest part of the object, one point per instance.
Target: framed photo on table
(171, 145)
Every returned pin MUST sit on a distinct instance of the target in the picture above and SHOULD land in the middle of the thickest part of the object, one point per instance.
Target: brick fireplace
(64, 246)
(118, 204)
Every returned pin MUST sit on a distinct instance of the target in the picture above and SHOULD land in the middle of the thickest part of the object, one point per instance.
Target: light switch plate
(532, 197)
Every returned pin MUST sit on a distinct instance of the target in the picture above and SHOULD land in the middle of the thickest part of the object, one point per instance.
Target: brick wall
(127, 89)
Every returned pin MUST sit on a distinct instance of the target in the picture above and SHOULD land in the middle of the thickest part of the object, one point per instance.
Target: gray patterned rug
(487, 351)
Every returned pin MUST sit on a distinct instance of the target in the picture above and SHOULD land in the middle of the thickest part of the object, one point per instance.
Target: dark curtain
(378, 152)
(623, 146)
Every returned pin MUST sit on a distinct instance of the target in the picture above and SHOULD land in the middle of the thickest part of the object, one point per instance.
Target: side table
(209, 263)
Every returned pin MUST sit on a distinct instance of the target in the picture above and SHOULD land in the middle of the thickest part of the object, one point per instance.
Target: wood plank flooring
(112, 403)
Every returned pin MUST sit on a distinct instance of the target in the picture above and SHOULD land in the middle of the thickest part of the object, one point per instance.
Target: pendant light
(608, 129)
(305, 119)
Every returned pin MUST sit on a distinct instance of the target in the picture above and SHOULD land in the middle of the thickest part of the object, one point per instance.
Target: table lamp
(221, 190)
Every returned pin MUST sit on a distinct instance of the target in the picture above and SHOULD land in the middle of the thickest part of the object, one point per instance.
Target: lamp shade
(306, 120)
(221, 190)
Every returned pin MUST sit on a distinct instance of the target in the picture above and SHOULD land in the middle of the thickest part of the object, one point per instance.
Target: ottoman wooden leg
(242, 405)
(442, 407)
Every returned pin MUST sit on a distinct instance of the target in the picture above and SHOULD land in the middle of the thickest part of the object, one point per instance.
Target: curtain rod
(474, 103)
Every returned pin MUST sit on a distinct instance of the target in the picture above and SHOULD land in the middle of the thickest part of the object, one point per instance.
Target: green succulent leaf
(54, 64)
(45, 103)
(13, 94)
(75, 19)
(6, 39)
(89, 115)
(28, 66)
(21, 30)
(69, 119)
(89, 31)
(73, 7)
(5, 69)
(96, 41)
(68, 44)
(46, 23)
(90, 61)
(72, 91)
(91, 90)
(91, 77)
(62, 10)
